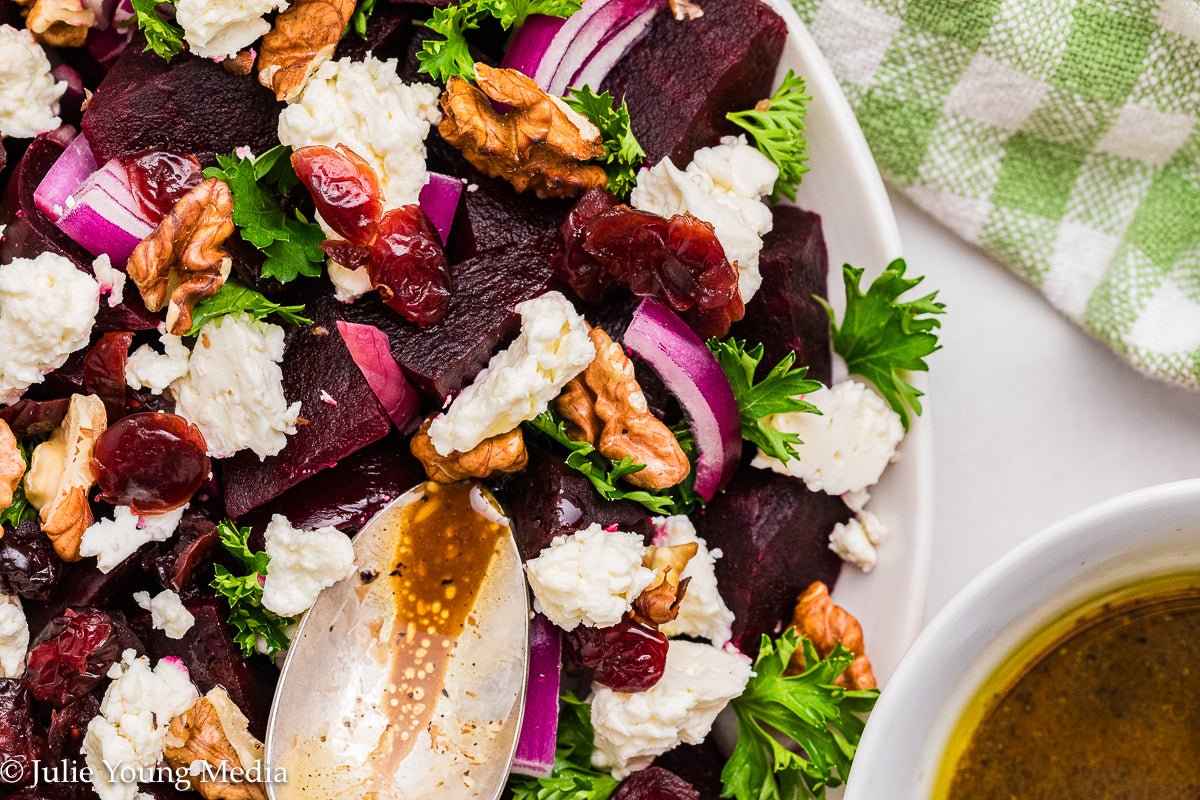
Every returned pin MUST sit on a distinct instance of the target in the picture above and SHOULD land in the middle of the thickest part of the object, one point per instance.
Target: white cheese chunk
(519, 382)
(302, 564)
(220, 28)
(847, 446)
(634, 728)
(167, 613)
(111, 280)
(147, 369)
(130, 733)
(723, 186)
(856, 541)
(29, 94)
(47, 310)
(112, 541)
(233, 390)
(14, 637)
(703, 613)
(589, 578)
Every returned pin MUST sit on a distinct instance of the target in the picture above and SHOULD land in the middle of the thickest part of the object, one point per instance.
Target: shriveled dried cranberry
(655, 783)
(104, 372)
(21, 738)
(584, 274)
(29, 567)
(159, 178)
(408, 266)
(344, 188)
(74, 652)
(626, 657)
(152, 462)
(350, 256)
(34, 417)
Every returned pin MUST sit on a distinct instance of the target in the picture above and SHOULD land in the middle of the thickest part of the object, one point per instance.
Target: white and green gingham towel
(1061, 136)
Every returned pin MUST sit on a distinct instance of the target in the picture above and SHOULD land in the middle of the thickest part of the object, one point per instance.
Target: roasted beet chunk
(774, 533)
(698, 764)
(21, 738)
(74, 652)
(68, 725)
(655, 783)
(29, 567)
(783, 315)
(730, 55)
(175, 563)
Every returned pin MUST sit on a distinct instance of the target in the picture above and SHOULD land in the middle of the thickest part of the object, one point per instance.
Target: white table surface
(1032, 419)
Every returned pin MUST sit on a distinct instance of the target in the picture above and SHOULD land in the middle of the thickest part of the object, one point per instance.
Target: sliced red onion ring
(539, 727)
(439, 200)
(369, 348)
(103, 217)
(74, 166)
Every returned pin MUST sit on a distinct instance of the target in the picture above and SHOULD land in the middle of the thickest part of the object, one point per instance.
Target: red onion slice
(103, 217)
(369, 348)
(74, 166)
(439, 200)
(539, 726)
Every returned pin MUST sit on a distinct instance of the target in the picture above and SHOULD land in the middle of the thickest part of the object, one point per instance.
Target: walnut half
(60, 23)
(302, 39)
(182, 262)
(826, 624)
(502, 453)
(213, 731)
(539, 145)
(659, 602)
(12, 465)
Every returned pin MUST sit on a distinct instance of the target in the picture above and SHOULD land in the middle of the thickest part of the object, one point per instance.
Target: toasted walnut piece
(503, 453)
(685, 10)
(675, 557)
(61, 475)
(214, 731)
(182, 261)
(659, 602)
(241, 64)
(539, 145)
(826, 624)
(303, 38)
(12, 465)
(577, 406)
(60, 23)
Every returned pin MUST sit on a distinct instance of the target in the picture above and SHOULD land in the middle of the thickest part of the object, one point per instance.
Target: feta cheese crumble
(589, 578)
(111, 280)
(147, 369)
(703, 613)
(220, 28)
(632, 729)
(302, 564)
(855, 541)
(29, 94)
(847, 446)
(47, 310)
(112, 541)
(233, 390)
(130, 733)
(14, 637)
(167, 613)
(722, 186)
(519, 382)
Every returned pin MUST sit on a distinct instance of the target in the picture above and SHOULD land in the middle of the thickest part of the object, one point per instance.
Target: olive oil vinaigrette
(1102, 703)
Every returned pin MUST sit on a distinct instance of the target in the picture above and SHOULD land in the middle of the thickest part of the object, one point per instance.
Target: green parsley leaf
(291, 244)
(880, 336)
(20, 508)
(513, 13)
(362, 15)
(777, 393)
(162, 37)
(604, 473)
(244, 595)
(232, 298)
(808, 709)
(623, 156)
(572, 777)
(778, 130)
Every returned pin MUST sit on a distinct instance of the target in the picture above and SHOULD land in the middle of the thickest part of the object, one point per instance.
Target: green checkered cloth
(1059, 135)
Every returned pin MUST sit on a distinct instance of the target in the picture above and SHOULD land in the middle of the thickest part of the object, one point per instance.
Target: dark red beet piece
(21, 738)
(316, 360)
(783, 315)
(159, 178)
(731, 54)
(84, 585)
(176, 563)
(441, 359)
(62, 382)
(344, 189)
(104, 372)
(774, 533)
(408, 266)
(189, 105)
(73, 653)
(348, 494)
(29, 567)
(655, 783)
(151, 462)
(68, 725)
(548, 499)
(35, 417)
(388, 35)
(627, 657)
(698, 764)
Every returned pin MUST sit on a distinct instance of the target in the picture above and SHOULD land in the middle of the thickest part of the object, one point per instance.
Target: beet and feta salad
(266, 266)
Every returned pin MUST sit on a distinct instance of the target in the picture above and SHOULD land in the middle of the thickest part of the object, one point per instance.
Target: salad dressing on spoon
(407, 679)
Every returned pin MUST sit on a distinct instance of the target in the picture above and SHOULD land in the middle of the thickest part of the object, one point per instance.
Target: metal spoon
(407, 680)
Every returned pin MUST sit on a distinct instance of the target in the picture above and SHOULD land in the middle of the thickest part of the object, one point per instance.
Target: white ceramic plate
(845, 188)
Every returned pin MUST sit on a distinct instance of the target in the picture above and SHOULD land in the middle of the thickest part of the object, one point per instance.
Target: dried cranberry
(408, 266)
(655, 783)
(350, 256)
(627, 657)
(29, 567)
(584, 274)
(21, 739)
(173, 563)
(73, 653)
(152, 462)
(34, 417)
(159, 178)
(344, 188)
(104, 372)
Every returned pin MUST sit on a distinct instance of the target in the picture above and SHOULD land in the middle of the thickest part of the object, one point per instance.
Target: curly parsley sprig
(623, 156)
(233, 298)
(777, 126)
(244, 594)
(163, 37)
